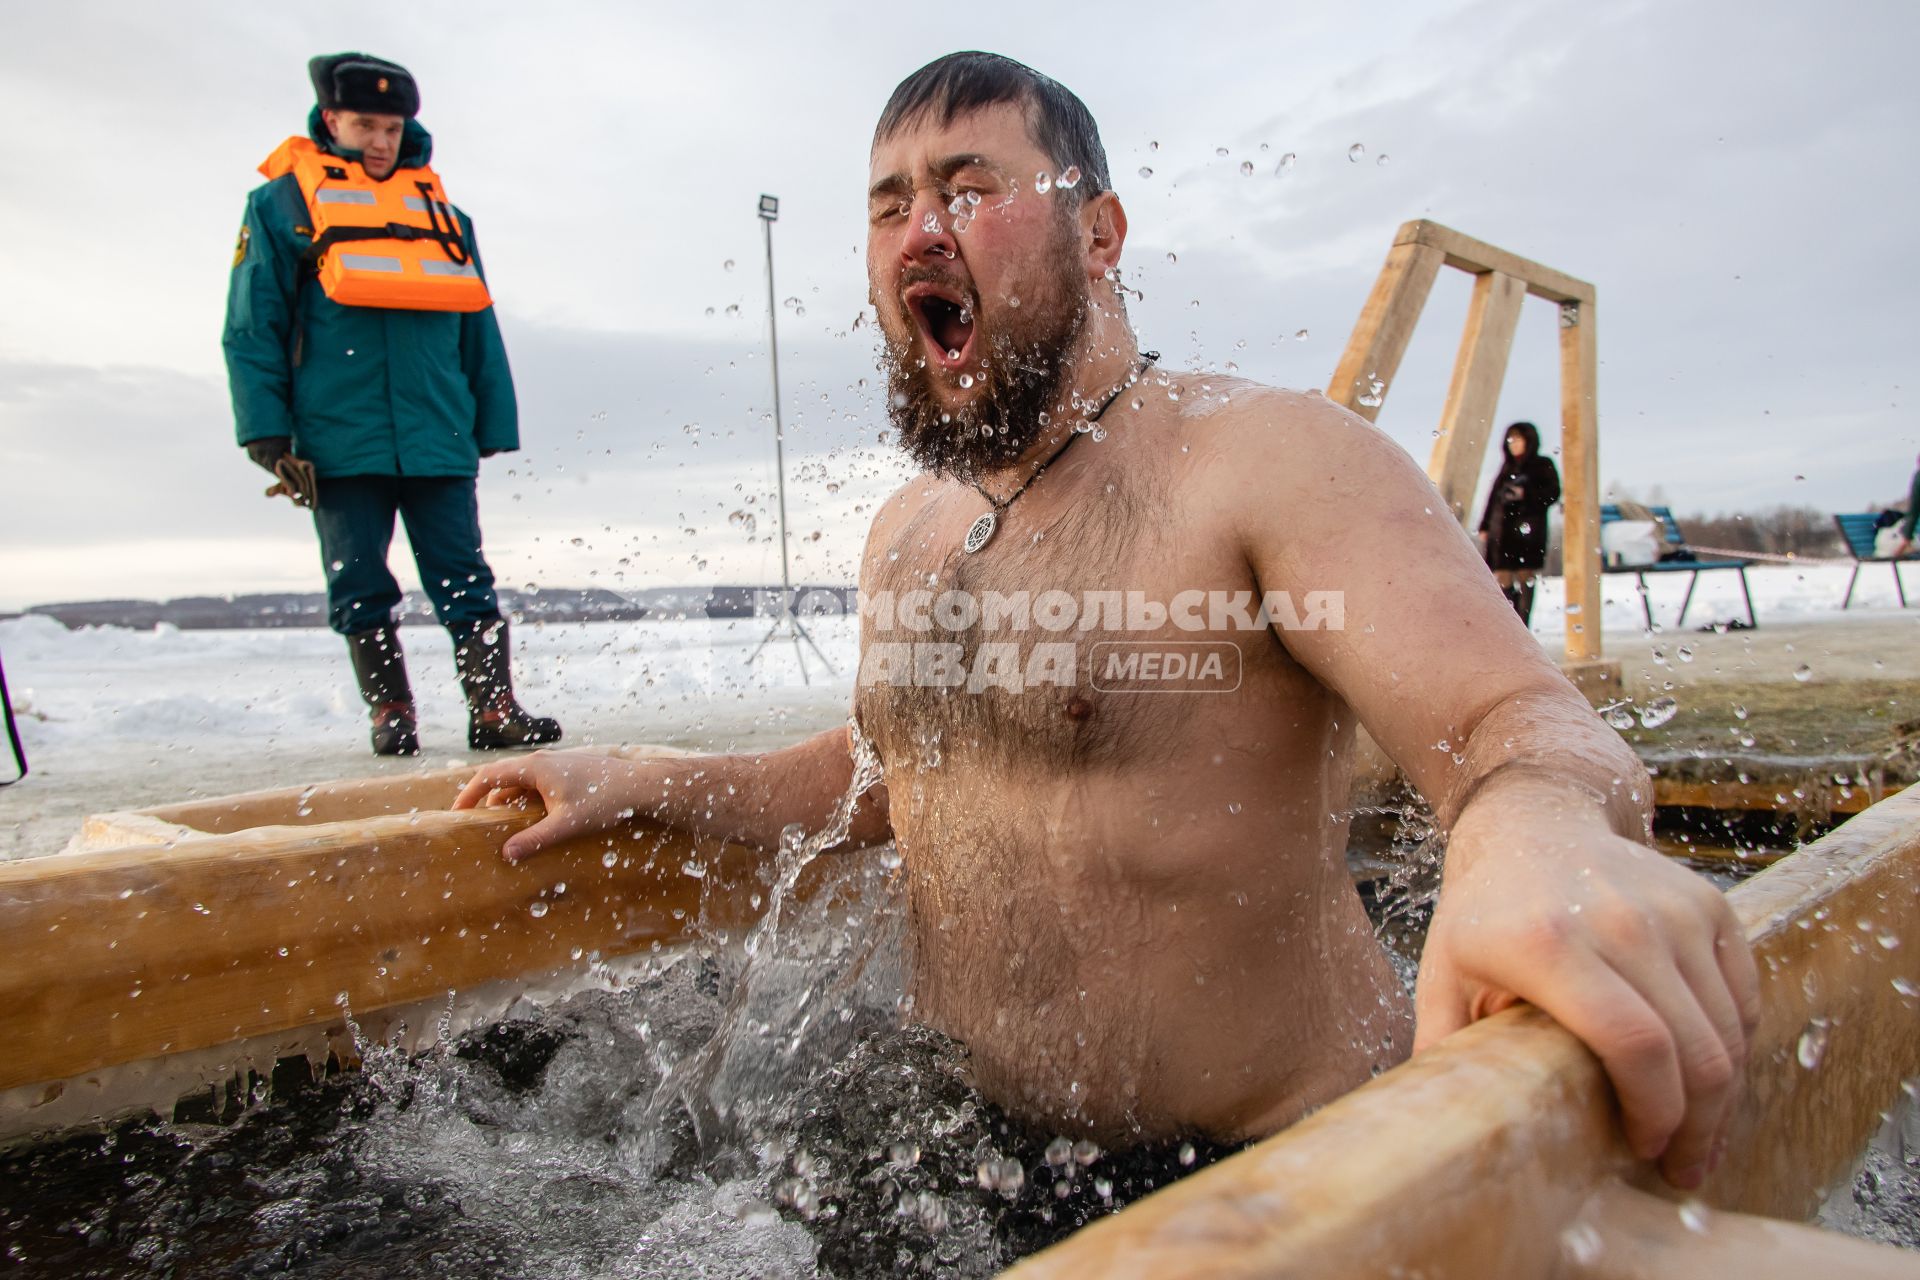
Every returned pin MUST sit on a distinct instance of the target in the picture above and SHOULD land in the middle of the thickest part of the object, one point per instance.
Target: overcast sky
(1737, 180)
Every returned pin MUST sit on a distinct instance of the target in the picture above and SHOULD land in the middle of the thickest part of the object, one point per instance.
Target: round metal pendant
(981, 532)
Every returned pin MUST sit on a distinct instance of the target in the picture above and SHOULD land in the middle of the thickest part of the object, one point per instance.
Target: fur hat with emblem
(362, 82)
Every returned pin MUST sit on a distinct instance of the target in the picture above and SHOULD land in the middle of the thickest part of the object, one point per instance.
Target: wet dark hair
(1528, 433)
(1057, 121)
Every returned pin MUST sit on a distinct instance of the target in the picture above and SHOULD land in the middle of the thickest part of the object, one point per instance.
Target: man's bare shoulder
(1282, 441)
(901, 510)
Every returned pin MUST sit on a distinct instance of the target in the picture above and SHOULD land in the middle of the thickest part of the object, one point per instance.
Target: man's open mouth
(946, 319)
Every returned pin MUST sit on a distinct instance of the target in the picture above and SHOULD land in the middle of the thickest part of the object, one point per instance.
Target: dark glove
(297, 480)
(268, 451)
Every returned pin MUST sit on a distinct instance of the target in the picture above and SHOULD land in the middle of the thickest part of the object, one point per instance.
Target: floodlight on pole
(769, 213)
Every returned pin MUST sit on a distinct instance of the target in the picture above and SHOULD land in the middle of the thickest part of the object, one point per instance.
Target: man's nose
(929, 231)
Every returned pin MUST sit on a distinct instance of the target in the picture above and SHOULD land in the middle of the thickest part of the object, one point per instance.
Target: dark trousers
(354, 517)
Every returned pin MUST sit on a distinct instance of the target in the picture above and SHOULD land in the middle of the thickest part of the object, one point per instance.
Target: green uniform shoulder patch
(240, 246)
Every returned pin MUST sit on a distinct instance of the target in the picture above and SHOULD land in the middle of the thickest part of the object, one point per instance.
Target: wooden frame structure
(1501, 283)
(208, 926)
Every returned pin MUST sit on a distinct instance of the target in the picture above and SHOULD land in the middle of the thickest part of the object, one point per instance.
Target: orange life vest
(395, 243)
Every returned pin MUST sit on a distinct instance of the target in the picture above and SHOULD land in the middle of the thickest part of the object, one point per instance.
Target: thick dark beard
(1029, 360)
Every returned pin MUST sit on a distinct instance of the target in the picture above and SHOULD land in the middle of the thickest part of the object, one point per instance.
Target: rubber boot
(494, 718)
(381, 670)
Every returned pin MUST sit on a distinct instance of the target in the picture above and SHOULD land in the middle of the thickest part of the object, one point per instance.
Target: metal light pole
(785, 619)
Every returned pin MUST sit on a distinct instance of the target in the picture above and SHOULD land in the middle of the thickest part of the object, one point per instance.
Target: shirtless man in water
(1133, 906)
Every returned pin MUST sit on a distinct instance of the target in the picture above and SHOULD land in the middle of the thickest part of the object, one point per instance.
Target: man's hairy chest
(1104, 631)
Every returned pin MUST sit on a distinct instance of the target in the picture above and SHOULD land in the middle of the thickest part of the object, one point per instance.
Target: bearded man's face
(980, 281)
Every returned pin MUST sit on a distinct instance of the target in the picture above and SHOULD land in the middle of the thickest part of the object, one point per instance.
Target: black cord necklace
(981, 531)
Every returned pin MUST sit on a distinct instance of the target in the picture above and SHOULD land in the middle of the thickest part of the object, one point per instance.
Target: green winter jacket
(361, 390)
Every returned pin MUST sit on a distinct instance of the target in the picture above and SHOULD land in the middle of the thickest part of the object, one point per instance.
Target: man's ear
(1104, 228)
(331, 119)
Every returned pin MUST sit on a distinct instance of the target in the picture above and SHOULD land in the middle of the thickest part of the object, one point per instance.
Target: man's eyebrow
(945, 167)
(894, 184)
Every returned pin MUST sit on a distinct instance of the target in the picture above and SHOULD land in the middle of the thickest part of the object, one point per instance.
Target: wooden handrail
(1474, 1159)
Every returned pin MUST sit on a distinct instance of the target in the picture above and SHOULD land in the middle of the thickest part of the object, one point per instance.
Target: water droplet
(609, 859)
(1812, 1045)
(930, 224)
(1043, 182)
(1172, 258)
(537, 910)
(1300, 335)
(1803, 673)
(1059, 1152)
(1906, 988)
(1658, 712)
(966, 380)
(1220, 151)
(727, 265)
(1285, 166)
(1686, 654)
(1187, 1155)
(1145, 172)
(1069, 177)
(1246, 168)
(1582, 1244)
(1693, 1216)
(693, 867)
(1620, 718)
(904, 1155)
(1382, 161)
(1356, 152)
(1085, 1152)
(1004, 1176)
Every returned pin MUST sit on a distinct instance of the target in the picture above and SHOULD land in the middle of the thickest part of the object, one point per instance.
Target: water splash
(801, 988)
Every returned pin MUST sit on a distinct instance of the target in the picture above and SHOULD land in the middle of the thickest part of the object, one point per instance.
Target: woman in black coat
(1514, 528)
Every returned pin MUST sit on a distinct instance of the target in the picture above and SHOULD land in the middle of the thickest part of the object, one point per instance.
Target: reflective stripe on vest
(394, 243)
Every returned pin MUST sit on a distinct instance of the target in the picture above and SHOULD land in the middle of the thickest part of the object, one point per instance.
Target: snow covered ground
(116, 719)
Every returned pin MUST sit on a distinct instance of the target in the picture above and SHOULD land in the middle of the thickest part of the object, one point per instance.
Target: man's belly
(1132, 965)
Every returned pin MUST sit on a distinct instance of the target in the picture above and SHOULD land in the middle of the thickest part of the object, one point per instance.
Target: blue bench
(1693, 568)
(1859, 529)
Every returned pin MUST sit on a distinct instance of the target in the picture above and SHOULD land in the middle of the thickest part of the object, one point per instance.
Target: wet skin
(1133, 907)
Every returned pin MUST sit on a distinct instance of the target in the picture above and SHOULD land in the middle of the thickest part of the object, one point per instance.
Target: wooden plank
(131, 953)
(346, 800)
(1474, 396)
(1762, 797)
(319, 803)
(1474, 1158)
(1386, 325)
(1580, 479)
(1630, 1235)
(1467, 254)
